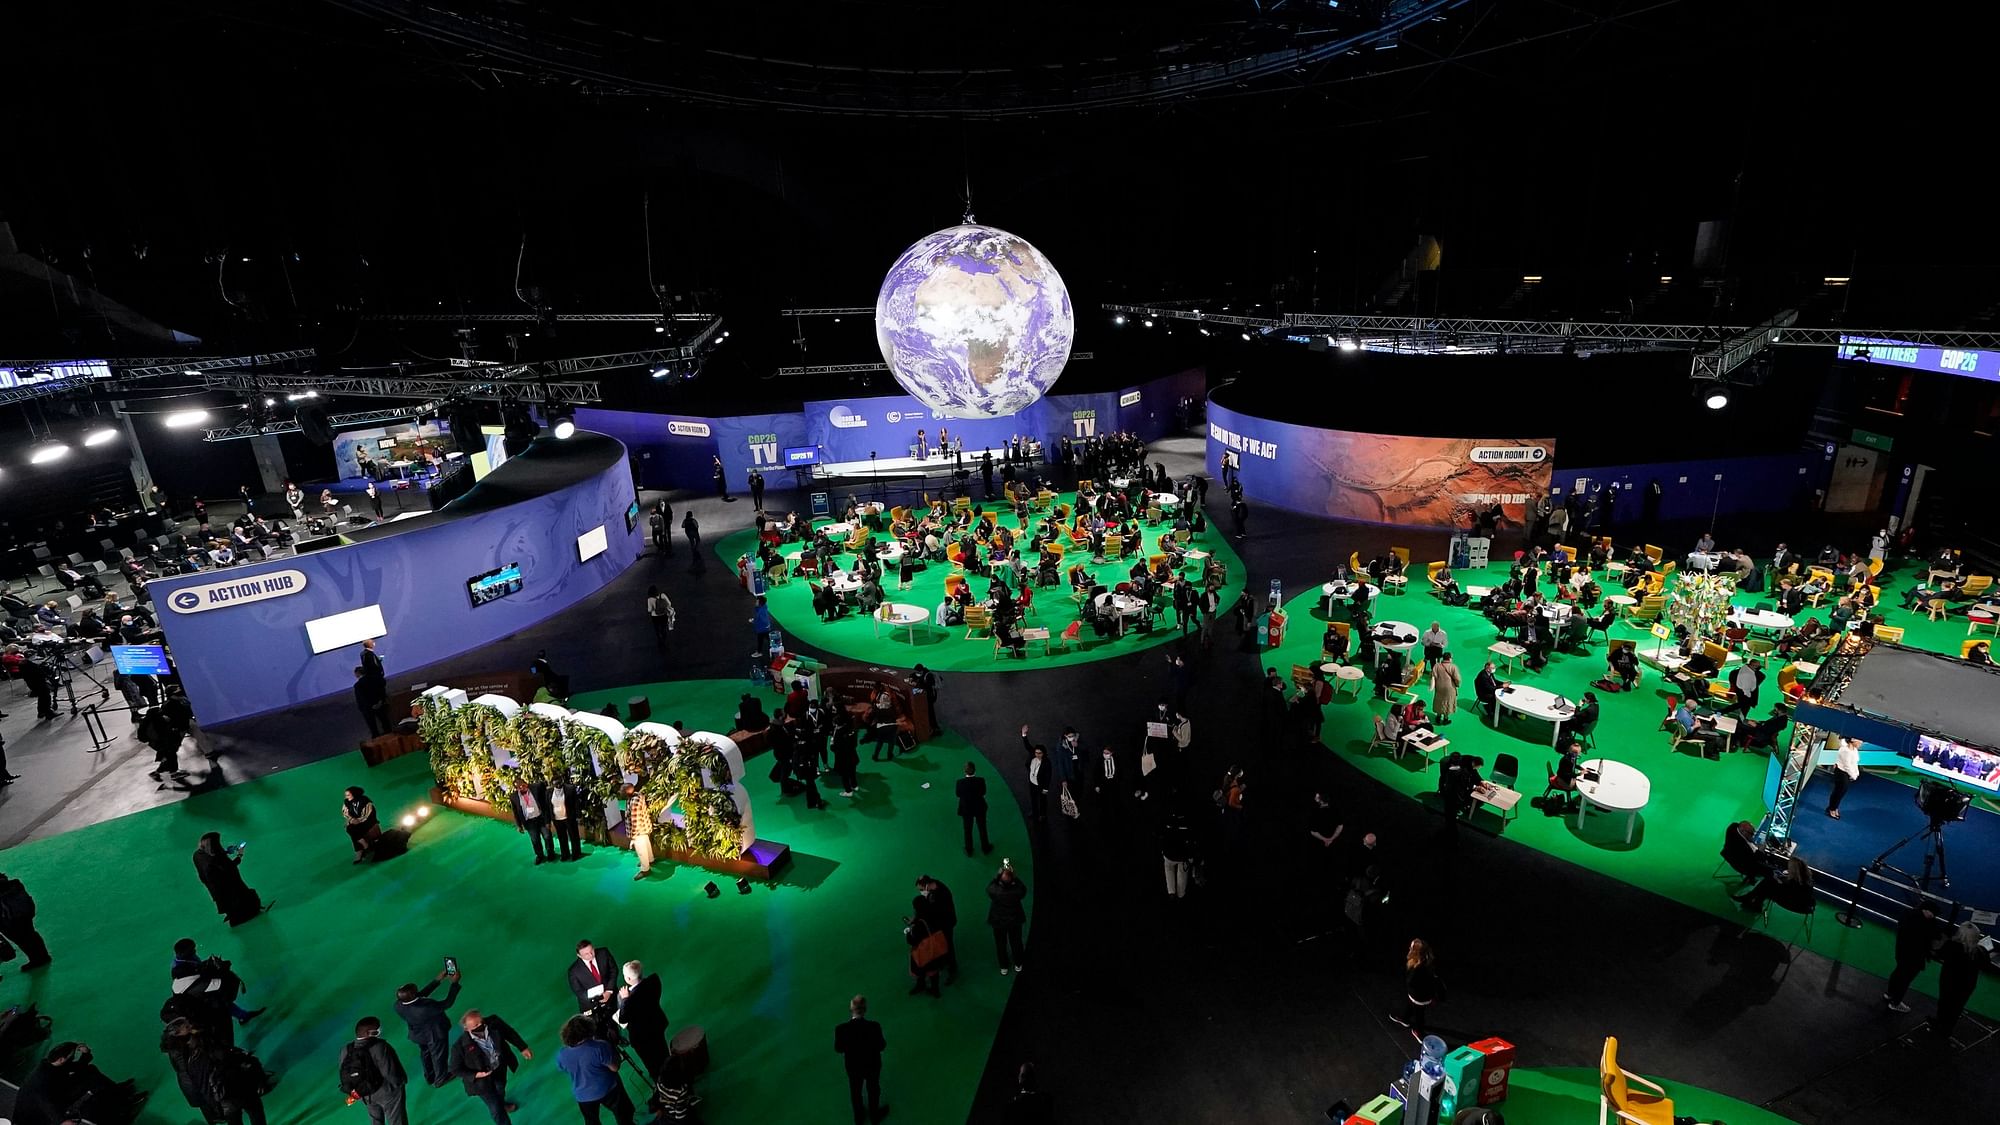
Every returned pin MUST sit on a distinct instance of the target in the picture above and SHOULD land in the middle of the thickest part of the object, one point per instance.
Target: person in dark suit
(565, 817)
(645, 1022)
(972, 808)
(1108, 780)
(1039, 771)
(482, 1057)
(1487, 687)
(1917, 938)
(860, 1044)
(594, 969)
(430, 1024)
(531, 815)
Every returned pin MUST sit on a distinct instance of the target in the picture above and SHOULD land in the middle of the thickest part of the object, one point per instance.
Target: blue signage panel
(141, 660)
(1901, 353)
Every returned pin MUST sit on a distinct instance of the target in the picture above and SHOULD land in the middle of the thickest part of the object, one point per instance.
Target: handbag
(1068, 805)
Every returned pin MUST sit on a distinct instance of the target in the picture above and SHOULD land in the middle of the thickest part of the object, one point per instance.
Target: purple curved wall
(242, 660)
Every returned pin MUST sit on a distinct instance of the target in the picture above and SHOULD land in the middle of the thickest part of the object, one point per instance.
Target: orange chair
(952, 583)
(1068, 636)
(1617, 1098)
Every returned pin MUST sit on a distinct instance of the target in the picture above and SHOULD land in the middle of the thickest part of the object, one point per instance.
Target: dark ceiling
(368, 157)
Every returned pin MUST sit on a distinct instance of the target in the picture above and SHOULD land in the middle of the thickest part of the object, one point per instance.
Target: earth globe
(974, 322)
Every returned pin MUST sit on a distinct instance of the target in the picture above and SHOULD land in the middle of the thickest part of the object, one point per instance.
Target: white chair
(1386, 737)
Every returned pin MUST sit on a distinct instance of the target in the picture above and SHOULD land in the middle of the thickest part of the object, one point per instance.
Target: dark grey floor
(1137, 1008)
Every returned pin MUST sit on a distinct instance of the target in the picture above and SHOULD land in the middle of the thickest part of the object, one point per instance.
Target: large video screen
(1382, 478)
(1902, 353)
(1957, 762)
(495, 584)
(344, 629)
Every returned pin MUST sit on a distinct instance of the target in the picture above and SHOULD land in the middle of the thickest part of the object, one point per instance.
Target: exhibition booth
(547, 529)
(675, 450)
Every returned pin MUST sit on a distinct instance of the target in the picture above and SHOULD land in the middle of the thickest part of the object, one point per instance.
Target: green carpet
(1568, 1096)
(768, 975)
(1677, 843)
(856, 636)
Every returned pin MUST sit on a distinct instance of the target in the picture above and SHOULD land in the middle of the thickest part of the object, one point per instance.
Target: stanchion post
(1852, 918)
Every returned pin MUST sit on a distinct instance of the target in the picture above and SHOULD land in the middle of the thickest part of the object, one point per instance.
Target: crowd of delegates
(1110, 523)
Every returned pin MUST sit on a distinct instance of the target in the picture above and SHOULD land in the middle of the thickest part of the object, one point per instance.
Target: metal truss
(216, 363)
(337, 421)
(1470, 330)
(865, 368)
(122, 370)
(853, 310)
(1834, 674)
(418, 387)
(529, 317)
(1719, 363)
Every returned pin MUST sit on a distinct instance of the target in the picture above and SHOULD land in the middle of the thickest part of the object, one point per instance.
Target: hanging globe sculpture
(975, 322)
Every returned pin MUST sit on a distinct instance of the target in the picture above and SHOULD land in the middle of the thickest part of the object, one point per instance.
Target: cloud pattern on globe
(975, 322)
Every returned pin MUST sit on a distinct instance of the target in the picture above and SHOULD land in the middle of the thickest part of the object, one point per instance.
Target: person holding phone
(218, 869)
(429, 1021)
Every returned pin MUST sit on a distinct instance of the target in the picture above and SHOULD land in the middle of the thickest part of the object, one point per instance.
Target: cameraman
(38, 671)
(65, 1087)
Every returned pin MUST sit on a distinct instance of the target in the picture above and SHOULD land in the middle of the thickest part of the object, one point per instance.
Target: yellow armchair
(1617, 1099)
(1402, 554)
(1891, 633)
(1654, 553)
(1965, 647)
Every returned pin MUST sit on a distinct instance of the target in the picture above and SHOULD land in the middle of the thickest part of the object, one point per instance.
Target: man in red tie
(593, 977)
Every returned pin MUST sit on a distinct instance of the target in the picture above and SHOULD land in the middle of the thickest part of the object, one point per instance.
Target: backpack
(358, 1073)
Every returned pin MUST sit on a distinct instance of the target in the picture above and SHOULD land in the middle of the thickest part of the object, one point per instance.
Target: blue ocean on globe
(975, 322)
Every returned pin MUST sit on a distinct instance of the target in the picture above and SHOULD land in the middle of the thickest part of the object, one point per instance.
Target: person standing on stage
(375, 499)
(482, 1058)
(860, 1044)
(429, 1022)
(593, 977)
(639, 829)
(757, 489)
(531, 816)
(721, 480)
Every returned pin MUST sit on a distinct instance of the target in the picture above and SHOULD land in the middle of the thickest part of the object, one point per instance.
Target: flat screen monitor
(631, 517)
(796, 455)
(344, 629)
(321, 543)
(141, 660)
(591, 544)
(1958, 762)
(495, 584)
(386, 443)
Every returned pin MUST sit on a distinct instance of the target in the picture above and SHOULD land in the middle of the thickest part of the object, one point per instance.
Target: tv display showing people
(1958, 762)
(495, 584)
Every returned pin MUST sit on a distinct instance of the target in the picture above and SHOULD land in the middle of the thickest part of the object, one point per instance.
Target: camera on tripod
(1941, 803)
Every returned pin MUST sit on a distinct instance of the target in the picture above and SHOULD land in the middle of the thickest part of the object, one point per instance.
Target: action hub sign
(240, 591)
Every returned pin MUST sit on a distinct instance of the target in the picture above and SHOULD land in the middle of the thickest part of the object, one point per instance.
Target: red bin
(1499, 1062)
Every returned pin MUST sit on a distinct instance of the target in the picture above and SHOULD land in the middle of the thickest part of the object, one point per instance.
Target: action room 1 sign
(240, 591)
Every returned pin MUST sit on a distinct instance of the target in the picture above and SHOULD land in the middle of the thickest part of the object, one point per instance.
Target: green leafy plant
(584, 748)
(537, 741)
(700, 781)
(438, 726)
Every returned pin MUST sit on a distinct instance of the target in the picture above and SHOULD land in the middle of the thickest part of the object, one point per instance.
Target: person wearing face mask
(934, 905)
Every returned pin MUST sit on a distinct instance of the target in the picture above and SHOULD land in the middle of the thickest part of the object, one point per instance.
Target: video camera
(1941, 803)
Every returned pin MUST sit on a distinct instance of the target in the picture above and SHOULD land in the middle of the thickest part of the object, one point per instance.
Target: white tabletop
(843, 581)
(1557, 611)
(838, 529)
(1120, 482)
(1478, 591)
(1805, 669)
(1389, 634)
(1759, 618)
(1346, 589)
(1125, 605)
(890, 553)
(1535, 702)
(1622, 599)
(896, 613)
(1166, 502)
(871, 508)
(1696, 560)
(1507, 650)
(1618, 787)
(1342, 671)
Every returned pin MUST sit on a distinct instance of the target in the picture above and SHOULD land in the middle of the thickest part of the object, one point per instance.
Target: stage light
(191, 371)
(1350, 344)
(1713, 395)
(182, 419)
(269, 401)
(1245, 335)
(1531, 279)
(725, 334)
(47, 450)
(565, 428)
(836, 320)
(1203, 331)
(1329, 341)
(409, 822)
(423, 810)
(659, 372)
(742, 886)
(709, 888)
(659, 327)
(100, 435)
(1666, 280)
(1149, 323)
(1119, 319)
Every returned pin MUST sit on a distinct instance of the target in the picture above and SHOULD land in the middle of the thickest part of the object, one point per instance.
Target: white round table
(1344, 675)
(838, 529)
(1389, 637)
(1619, 788)
(843, 581)
(1759, 619)
(1166, 502)
(1622, 599)
(1121, 606)
(896, 615)
(893, 552)
(1337, 590)
(1536, 703)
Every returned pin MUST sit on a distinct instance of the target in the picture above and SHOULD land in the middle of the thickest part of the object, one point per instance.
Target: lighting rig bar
(861, 310)
(418, 387)
(149, 367)
(1720, 362)
(529, 317)
(337, 421)
(865, 368)
(1470, 330)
